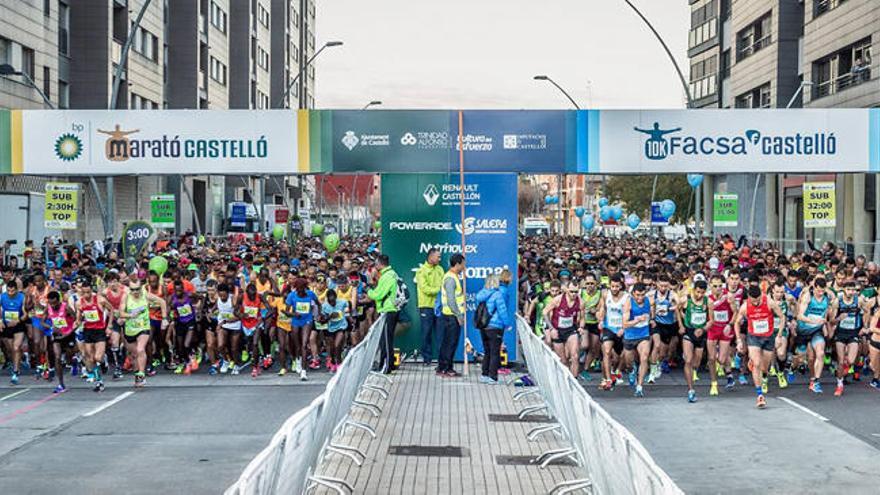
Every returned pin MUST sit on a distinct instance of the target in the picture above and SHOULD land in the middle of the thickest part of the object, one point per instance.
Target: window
(295, 16)
(27, 62)
(754, 37)
(849, 66)
(704, 77)
(47, 8)
(704, 24)
(63, 94)
(264, 17)
(218, 71)
(5, 50)
(47, 79)
(218, 17)
(146, 44)
(63, 29)
(822, 6)
(725, 64)
(756, 98)
(263, 59)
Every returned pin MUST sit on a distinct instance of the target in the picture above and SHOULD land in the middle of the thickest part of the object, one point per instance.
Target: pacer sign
(62, 205)
(423, 211)
(820, 209)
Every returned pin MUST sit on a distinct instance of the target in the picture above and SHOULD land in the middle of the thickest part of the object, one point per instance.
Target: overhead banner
(62, 205)
(120, 142)
(820, 206)
(163, 211)
(422, 211)
(725, 210)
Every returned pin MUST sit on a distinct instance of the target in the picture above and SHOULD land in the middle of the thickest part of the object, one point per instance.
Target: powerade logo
(661, 143)
(471, 226)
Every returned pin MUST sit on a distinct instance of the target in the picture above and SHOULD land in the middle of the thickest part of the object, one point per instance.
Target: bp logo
(68, 147)
(431, 195)
(656, 147)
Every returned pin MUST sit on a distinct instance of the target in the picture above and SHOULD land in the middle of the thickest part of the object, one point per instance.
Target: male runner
(760, 312)
(693, 317)
(610, 316)
(849, 321)
(720, 334)
(813, 316)
(637, 315)
(562, 314)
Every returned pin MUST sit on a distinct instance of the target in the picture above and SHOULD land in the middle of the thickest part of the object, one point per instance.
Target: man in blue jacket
(494, 294)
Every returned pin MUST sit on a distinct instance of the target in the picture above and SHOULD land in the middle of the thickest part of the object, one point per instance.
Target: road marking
(16, 394)
(804, 409)
(109, 403)
(875, 434)
(27, 408)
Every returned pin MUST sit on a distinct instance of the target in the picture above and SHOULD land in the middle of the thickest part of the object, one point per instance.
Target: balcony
(745, 51)
(844, 81)
(203, 28)
(824, 6)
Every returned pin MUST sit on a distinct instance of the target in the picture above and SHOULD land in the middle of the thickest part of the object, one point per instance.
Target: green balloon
(331, 243)
(201, 240)
(317, 229)
(278, 232)
(377, 225)
(159, 265)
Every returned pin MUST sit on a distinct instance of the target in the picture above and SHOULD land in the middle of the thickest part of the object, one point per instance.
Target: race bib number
(360, 311)
(11, 316)
(698, 318)
(283, 320)
(59, 322)
(335, 316)
(251, 311)
(303, 307)
(761, 327)
(566, 321)
(662, 311)
(226, 316)
(848, 323)
(91, 316)
(615, 321)
(184, 310)
(39, 312)
(722, 316)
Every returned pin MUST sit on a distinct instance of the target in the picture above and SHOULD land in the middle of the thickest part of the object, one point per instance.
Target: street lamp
(372, 104)
(284, 96)
(8, 70)
(551, 81)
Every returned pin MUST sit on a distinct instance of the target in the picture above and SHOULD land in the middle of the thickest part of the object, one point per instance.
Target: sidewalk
(424, 410)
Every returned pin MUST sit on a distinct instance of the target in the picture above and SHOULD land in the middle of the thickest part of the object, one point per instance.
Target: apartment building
(787, 53)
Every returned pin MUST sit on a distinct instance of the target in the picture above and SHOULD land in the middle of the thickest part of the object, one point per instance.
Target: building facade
(185, 54)
(778, 54)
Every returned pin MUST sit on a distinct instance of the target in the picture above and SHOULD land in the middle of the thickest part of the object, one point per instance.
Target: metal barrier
(615, 461)
(288, 463)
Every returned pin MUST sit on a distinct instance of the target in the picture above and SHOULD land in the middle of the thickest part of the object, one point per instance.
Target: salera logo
(656, 147)
(118, 147)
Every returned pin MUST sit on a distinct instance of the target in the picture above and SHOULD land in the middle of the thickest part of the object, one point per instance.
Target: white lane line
(107, 404)
(13, 394)
(804, 409)
(875, 434)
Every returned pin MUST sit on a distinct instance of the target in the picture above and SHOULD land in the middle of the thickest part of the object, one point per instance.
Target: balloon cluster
(551, 200)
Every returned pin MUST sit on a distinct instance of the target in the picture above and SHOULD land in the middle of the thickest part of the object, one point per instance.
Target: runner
(60, 317)
(849, 322)
(562, 314)
(210, 324)
(591, 295)
(693, 317)
(664, 327)
(229, 332)
(610, 316)
(302, 306)
(93, 312)
(335, 312)
(38, 335)
(720, 334)
(782, 326)
(182, 329)
(760, 312)
(115, 293)
(637, 315)
(136, 317)
(813, 316)
(12, 325)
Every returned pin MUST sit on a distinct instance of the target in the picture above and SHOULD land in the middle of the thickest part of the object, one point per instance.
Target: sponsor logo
(68, 147)
(349, 140)
(407, 226)
(482, 226)
(662, 143)
(431, 195)
(474, 272)
(475, 142)
(451, 194)
(118, 146)
(426, 140)
(446, 248)
(525, 141)
(408, 139)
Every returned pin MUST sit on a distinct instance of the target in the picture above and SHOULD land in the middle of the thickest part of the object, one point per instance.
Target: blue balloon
(579, 211)
(548, 199)
(667, 208)
(616, 212)
(588, 222)
(605, 213)
(695, 180)
(633, 221)
(603, 202)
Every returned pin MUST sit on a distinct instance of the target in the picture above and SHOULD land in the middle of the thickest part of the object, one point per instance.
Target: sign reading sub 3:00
(820, 208)
(62, 205)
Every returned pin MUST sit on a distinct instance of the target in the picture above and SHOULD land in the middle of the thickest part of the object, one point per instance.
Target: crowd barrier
(288, 463)
(615, 461)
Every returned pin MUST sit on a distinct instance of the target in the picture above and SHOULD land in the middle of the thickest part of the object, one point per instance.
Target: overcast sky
(484, 53)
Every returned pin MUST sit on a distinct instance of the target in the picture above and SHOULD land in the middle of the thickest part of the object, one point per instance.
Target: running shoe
(730, 382)
(74, 368)
(664, 367)
(713, 389)
(761, 402)
(696, 376)
(156, 363)
(139, 380)
(60, 389)
(585, 376)
(224, 366)
(254, 372)
(790, 376)
(178, 369)
(245, 356)
(14, 379)
(187, 369)
(485, 379)
(603, 385)
(743, 380)
(45, 374)
(117, 374)
(780, 377)
(838, 391)
(282, 372)
(692, 396)
(99, 386)
(827, 360)
(151, 371)
(90, 377)
(737, 361)
(639, 392)
(817, 387)
(212, 370)
(314, 364)
(631, 377)
(235, 369)
(875, 383)
(765, 385)
(126, 365)
(194, 364)
(719, 370)
(303, 376)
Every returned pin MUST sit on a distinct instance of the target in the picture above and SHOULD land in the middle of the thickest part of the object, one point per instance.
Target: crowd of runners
(631, 310)
(232, 305)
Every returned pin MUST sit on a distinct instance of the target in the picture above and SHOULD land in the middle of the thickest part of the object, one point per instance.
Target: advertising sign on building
(820, 207)
(657, 218)
(422, 211)
(238, 216)
(62, 205)
(725, 210)
(163, 211)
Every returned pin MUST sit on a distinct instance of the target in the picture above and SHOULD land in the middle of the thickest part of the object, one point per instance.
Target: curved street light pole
(551, 81)
(372, 104)
(303, 69)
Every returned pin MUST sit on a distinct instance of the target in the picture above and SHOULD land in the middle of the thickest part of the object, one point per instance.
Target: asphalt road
(177, 435)
(801, 443)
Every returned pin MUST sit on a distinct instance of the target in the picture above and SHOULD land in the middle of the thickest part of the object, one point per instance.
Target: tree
(530, 199)
(634, 191)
